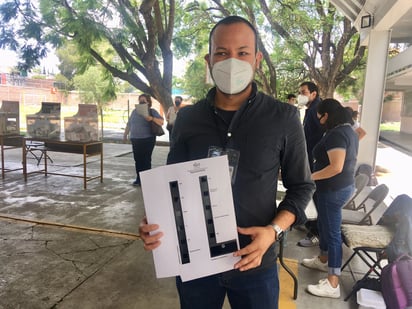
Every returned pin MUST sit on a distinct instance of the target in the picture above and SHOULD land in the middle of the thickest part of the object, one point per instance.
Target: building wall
(29, 96)
(392, 106)
(37, 91)
(30, 99)
(406, 123)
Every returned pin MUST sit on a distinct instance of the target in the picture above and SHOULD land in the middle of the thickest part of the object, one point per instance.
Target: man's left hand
(262, 239)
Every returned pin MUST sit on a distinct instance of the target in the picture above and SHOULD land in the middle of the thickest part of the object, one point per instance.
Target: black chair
(288, 270)
(361, 182)
(369, 242)
(38, 150)
(364, 214)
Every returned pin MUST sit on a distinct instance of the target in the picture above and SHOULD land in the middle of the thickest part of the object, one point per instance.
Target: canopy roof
(393, 15)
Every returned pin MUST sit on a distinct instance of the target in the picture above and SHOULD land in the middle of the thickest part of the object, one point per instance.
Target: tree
(69, 60)
(138, 35)
(96, 88)
(327, 43)
(300, 40)
(195, 78)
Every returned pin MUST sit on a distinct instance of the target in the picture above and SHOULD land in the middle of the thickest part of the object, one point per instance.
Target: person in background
(172, 113)
(334, 174)
(356, 125)
(291, 99)
(138, 130)
(309, 97)
(267, 135)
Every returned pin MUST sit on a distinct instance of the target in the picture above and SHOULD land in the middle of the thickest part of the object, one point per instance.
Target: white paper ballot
(192, 203)
(142, 109)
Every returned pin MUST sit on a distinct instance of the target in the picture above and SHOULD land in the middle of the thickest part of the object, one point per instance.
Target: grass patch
(391, 126)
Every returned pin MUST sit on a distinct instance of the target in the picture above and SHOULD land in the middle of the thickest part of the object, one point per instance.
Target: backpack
(396, 283)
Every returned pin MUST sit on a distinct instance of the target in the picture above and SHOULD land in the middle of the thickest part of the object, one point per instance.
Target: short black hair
(233, 19)
(290, 96)
(311, 86)
(352, 112)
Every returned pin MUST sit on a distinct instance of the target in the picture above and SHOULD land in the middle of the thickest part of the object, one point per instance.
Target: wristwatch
(278, 230)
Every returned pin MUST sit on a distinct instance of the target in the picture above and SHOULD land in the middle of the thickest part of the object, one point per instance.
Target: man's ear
(259, 57)
(315, 94)
(207, 58)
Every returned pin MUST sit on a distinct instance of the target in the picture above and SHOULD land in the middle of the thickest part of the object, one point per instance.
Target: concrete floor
(76, 264)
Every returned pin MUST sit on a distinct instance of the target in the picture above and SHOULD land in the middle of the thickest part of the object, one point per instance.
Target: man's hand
(262, 239)
(151, 241)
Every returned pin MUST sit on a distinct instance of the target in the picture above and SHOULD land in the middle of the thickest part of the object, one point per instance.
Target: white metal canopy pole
(375, 80)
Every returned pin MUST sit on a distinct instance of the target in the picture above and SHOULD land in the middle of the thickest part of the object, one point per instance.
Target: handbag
(155, 128)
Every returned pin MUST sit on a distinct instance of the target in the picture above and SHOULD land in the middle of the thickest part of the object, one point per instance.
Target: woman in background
(334, 174)
(138, 129)
(356, 125)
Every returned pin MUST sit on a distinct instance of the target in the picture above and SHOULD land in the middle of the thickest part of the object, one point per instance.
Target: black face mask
(321, 117)
(177, 103)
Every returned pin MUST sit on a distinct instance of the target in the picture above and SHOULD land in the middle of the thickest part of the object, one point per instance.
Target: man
(267, 135)
(291, 99)
(309, 97)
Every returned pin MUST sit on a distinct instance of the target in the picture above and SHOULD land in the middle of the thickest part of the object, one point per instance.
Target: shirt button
(229, 134)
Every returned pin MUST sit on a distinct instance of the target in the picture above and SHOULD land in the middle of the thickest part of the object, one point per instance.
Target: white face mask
(302, 100)
(232, 76)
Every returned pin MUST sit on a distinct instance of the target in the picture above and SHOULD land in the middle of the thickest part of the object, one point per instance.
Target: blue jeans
(329, 206)
(254, 289)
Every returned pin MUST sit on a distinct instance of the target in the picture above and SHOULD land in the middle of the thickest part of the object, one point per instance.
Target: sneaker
(311, 241)
(136, 183)
(315, 263)
(324, 289)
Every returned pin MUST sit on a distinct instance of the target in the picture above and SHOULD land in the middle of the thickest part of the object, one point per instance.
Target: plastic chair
(361, 181)
(370, 210)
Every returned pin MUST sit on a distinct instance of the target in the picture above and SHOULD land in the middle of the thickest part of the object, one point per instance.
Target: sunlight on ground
(394, 169)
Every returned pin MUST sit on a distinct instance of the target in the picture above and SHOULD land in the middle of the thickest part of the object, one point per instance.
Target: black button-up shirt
(269, 136)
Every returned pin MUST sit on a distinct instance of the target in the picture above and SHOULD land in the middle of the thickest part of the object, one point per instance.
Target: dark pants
(142, 153)
(169, 128)
(249, 290)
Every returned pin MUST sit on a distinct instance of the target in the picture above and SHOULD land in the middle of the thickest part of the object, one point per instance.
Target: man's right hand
(151, 241)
